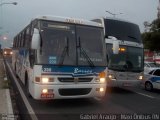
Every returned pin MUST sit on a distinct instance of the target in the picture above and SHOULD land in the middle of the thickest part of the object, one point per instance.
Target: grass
(6, 84)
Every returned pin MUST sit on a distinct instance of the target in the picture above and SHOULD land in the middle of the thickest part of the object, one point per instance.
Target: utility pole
(114, 14)
(158, 15)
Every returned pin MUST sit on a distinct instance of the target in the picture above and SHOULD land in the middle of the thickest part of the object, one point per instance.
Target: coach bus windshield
(69, 44)
(128, 59)
(122, 30)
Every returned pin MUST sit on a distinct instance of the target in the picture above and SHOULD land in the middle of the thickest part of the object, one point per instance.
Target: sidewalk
(5, 100)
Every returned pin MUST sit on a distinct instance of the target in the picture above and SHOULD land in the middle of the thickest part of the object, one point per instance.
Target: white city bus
(59, 58)
(125, 55)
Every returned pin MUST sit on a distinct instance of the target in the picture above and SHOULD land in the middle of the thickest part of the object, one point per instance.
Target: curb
(9, 103)
(9, 115)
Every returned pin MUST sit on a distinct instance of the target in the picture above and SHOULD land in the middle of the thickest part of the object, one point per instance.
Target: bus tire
(27, 85)
(148, 86)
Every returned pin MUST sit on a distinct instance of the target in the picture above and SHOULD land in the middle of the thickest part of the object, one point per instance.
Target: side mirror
(35, 44)
(115, 44)
(112, 37)
(115, 47)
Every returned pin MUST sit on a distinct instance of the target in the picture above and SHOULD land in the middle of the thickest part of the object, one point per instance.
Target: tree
(151, 39)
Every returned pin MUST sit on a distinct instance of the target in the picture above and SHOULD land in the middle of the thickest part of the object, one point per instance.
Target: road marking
(29, 108)
(145, 95)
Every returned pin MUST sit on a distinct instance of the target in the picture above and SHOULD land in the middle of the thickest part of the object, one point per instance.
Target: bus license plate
(47, 95)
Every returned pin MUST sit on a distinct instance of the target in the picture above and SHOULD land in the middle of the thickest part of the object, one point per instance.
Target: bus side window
(27, 37)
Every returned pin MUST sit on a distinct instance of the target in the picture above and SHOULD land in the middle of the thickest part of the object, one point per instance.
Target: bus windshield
(128, 59)
(70, 44)
(122, 30)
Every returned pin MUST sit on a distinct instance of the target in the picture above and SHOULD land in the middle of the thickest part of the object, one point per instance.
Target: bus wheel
(148, 86)
(27, 85)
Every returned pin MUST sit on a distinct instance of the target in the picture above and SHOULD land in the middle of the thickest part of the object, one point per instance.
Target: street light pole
(114, 15)
(14, 3)
(1, 4)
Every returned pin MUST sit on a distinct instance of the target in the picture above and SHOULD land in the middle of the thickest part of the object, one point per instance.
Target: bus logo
(82, 71)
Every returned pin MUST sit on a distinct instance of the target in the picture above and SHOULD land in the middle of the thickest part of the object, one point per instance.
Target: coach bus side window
(15, 42)
(19, 42)
(24, 38)
(27, 37)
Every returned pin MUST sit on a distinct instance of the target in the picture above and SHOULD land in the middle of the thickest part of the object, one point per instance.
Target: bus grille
(74, 91)
(71, 79)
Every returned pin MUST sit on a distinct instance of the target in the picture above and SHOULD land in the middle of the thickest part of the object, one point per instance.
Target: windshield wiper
(132, 37)
(85, 54)
(64, 52)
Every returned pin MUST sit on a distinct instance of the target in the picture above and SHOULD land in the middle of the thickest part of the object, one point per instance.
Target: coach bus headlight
(11, 53)
(111, 77)
(44, 91)
(45, 80)
(5, 52)
(102, 80)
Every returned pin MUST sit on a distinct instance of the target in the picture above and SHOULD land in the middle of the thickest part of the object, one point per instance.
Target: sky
(13, 18)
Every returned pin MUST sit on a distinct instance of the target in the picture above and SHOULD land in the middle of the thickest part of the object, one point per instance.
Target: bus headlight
(45, 80)
(101, 89)
(111, 77)
(102, 80)
(5, 52)
(44, 91)
(102, 77)
(11, 53)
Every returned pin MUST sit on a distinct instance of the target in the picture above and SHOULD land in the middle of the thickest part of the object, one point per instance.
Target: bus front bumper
(71, 91)
(123, 83)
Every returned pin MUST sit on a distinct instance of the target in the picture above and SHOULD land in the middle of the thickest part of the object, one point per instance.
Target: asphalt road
(128, 103)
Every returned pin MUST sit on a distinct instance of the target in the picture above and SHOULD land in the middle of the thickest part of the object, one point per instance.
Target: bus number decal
(47, 70)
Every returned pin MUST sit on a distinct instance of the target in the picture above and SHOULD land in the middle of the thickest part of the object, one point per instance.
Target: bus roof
(113, 18)
(69, 20)
(118, 19)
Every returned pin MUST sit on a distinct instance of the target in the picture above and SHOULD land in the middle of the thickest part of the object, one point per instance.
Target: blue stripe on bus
(71, 70)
